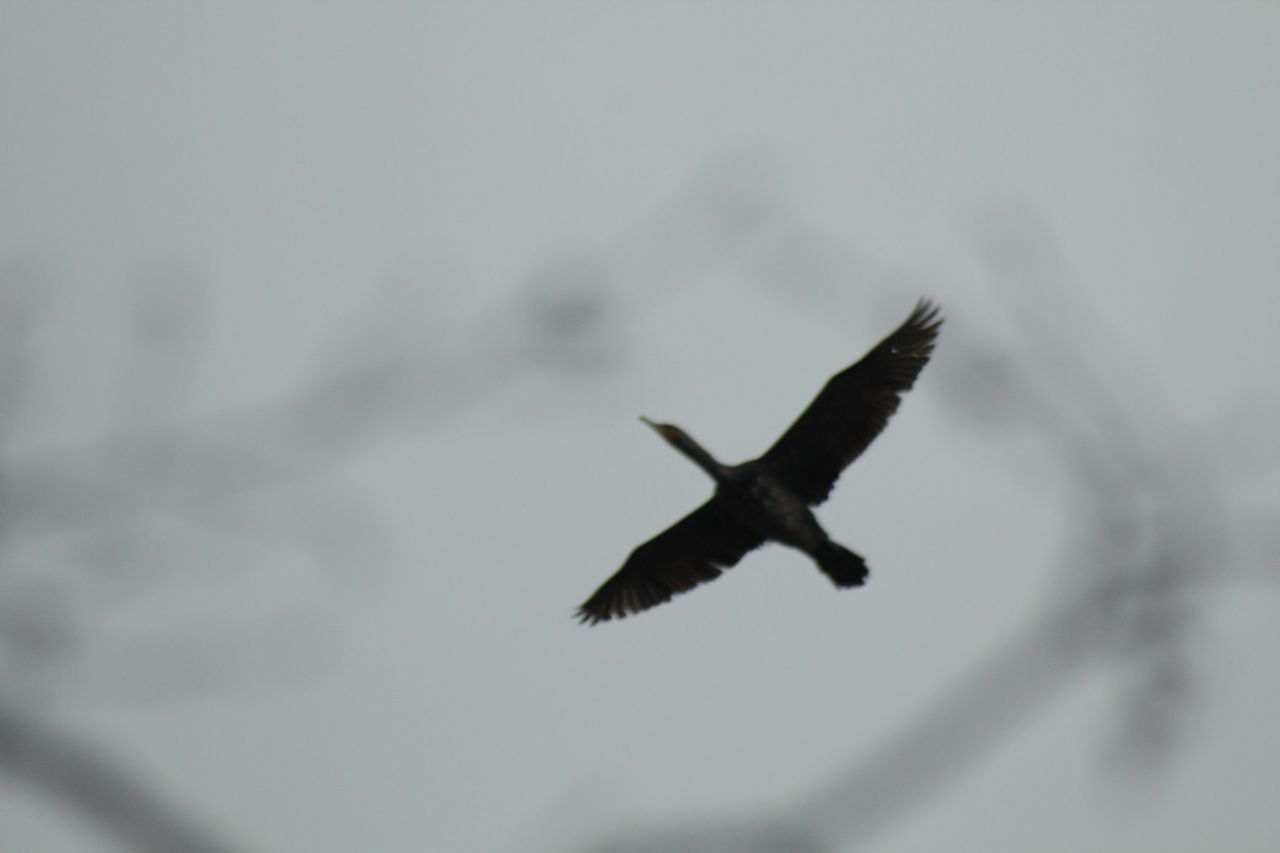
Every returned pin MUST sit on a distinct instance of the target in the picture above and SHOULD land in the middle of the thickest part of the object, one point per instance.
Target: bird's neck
(694, 451)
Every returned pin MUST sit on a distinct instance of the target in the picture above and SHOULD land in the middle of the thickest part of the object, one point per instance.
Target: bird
(770, 498)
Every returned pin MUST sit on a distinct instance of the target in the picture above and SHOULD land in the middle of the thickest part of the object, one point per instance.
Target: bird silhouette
(769, 498)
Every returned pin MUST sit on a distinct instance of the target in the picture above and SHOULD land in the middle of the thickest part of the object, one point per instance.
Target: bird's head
(681, 441)
(672, 433)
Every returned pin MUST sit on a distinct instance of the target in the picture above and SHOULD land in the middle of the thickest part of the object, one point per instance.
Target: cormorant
(769, 498)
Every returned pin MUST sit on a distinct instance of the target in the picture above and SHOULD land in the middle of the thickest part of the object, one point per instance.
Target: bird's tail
(844, 567)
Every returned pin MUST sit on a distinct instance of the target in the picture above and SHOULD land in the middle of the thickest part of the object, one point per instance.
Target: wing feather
(694, 550)
(853, 408)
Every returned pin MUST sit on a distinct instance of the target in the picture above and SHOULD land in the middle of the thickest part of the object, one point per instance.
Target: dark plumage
(770, 498)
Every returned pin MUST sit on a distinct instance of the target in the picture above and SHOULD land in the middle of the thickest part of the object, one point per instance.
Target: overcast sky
(519, 226)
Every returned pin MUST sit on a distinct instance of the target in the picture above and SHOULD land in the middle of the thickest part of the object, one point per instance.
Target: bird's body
(758, 501)
(769, 498)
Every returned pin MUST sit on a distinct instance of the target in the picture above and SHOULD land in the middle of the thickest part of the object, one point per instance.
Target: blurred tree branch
(153, 466)
(74, 773)
(1150, 517)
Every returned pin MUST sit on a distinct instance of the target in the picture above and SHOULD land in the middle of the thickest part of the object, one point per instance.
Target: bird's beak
(650, 423)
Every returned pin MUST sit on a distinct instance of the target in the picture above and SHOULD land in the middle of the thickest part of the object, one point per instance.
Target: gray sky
(562, 216)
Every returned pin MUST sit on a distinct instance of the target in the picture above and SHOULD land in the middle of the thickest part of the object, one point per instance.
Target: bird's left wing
(853, 408)
(694, 550)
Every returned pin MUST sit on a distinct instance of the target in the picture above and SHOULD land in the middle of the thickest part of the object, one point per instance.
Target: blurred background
(323, 333)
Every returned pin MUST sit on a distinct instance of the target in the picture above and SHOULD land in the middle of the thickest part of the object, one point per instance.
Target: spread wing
(852, 408)
(694, 550)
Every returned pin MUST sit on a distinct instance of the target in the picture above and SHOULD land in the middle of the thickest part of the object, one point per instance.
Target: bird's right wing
(694, 550)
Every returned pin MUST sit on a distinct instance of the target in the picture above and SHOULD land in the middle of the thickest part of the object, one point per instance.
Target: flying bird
(769, 499)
